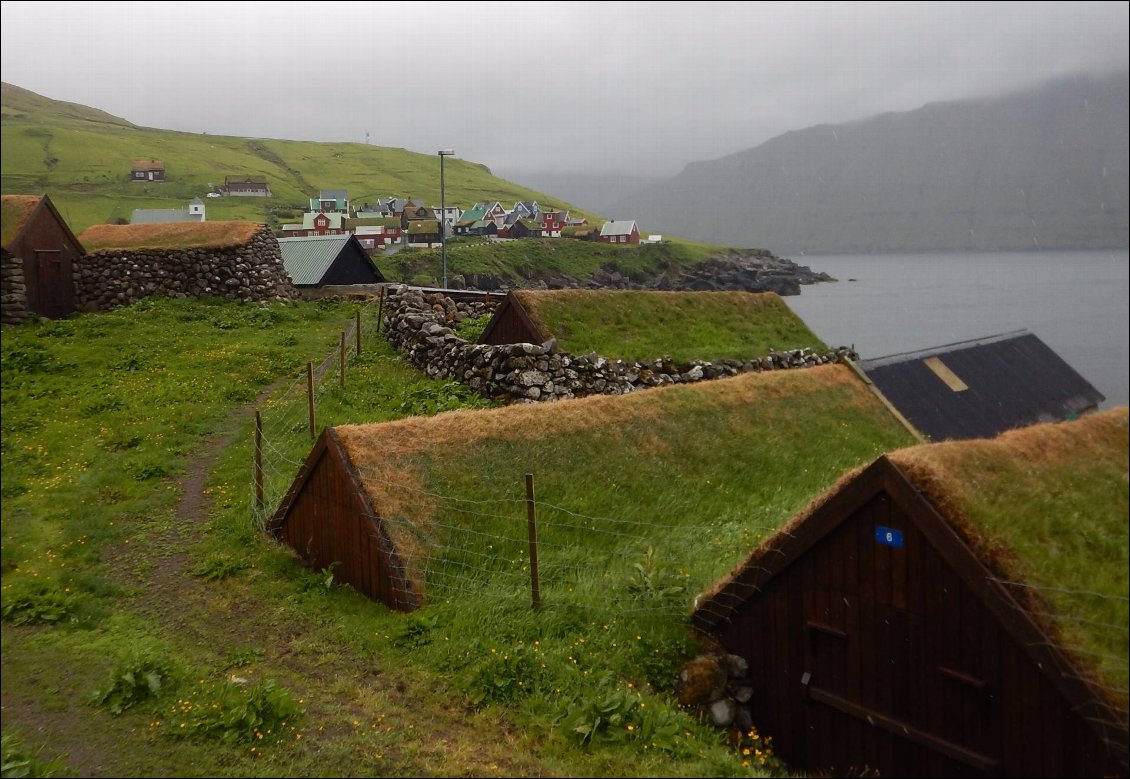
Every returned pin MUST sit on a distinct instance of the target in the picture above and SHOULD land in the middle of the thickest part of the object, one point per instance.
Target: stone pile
(13, 290)
(422, 327)
(253, 271)
(718, 686)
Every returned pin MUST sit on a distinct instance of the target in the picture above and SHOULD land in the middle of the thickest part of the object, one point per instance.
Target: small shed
(328, 517)
(147, 170)
(328, 259)
(980, 388)
(954, 609)
(39, 247)
(624, 231)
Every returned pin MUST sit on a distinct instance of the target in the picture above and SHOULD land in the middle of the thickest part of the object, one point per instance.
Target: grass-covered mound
(688, 475)
(1046, 506)
(636, 325)
(169, 235)
(14, 211)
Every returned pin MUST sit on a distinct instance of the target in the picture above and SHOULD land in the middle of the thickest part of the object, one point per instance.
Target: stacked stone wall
(422, 327)
(250, 272)
(13, 290)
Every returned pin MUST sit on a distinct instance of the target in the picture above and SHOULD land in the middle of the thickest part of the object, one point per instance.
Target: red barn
(620, 232)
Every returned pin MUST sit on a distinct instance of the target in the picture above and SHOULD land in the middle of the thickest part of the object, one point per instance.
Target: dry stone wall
(13, 290)
(253, 271)
(423, 328)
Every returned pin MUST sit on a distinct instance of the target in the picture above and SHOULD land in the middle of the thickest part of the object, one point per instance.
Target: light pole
(443, 213)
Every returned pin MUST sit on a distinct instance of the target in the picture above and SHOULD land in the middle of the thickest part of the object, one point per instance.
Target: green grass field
(135, 578)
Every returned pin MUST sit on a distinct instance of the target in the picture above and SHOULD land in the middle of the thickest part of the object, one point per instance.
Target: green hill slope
(81, 157)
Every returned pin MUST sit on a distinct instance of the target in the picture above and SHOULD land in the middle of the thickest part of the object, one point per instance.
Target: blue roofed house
(316, 260)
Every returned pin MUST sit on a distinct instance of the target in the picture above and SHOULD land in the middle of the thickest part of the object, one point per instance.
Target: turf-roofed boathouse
(954, 609)
(980, 388)
(39, 254)
(370, 498)
(317, 260)
(640, 325)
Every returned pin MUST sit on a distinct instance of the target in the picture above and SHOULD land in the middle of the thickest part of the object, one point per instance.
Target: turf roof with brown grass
(170, 235)
(742, 454)
(645, 325)
(14, 212)
(1044, 507)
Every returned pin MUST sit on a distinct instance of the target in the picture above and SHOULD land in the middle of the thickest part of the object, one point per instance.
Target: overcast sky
(582, 87)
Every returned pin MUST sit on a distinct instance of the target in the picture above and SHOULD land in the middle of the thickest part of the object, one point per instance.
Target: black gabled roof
(998, 383)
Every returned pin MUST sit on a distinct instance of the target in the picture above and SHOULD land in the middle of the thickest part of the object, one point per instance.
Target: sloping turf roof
(14, 212)
(177, 235)
(638, 325)
(1044, 507)
(745, 453)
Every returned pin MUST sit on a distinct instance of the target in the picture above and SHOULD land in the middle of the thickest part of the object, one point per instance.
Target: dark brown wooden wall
(327, 524)
(894, 635)
(48, 254)
(511, 325)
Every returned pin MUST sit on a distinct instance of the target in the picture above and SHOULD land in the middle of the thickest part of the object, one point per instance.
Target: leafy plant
(505, 675)
(17, 762)
(218, 566)
(137, 677)
(619, 714)
(34, 602)
(417, 632)
(428, 399)
(652, 580)
(471, 328)
(231, 711)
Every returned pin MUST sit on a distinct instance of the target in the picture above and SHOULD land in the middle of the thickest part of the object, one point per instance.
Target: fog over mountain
(1040, 169)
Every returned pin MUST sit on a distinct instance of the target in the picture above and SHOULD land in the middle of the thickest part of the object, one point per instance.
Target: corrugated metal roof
(307, 259)
(148, 216)
(980, 388)
(623, 227)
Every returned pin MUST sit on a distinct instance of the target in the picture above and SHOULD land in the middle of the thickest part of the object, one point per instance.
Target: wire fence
(481, 545)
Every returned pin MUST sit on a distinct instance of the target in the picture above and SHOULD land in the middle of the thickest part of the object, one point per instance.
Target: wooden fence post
(341, 362)
(531, 522)
(258, 460)
(310, 395)
(381, 310)
(357, 326)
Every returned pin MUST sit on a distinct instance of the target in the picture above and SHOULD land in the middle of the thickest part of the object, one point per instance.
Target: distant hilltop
(1042, 169)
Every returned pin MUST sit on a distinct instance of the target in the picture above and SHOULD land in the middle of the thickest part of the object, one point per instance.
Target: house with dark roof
(39, 252)
(528, 209)
(423, 233)
(624, 231)
(980, 388)
(331, 201)
(193, 213)
(147, 170)
(246, 186)
(416, 212)
(317, 260)
(553, 222)
(953, 609)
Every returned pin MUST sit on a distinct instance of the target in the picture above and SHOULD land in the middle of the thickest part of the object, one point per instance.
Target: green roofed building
(318, 260)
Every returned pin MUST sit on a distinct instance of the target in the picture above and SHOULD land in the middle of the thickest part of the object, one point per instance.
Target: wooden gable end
(327, 518)
(876, 637)
(511, 324)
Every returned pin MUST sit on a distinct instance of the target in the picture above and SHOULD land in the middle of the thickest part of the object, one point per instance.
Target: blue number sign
(889, 537)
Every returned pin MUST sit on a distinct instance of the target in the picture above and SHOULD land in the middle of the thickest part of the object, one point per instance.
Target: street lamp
(443, 213)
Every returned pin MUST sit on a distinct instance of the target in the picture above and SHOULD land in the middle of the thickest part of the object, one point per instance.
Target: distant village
(399, 221)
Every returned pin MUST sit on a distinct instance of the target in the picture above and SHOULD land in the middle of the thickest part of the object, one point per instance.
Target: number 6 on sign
(889, 537)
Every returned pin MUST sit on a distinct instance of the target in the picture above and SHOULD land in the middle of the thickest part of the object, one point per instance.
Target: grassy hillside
(81, 157)
(542, 258)
(634, 325)
(138, 593)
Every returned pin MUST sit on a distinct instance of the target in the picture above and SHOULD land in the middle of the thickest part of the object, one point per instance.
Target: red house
(620, 232)
(552, 222)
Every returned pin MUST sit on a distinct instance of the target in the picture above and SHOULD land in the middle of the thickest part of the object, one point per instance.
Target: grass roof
(1047, 506)
(169, 235)
(14, 211)
(638, 325)
(738, 456)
